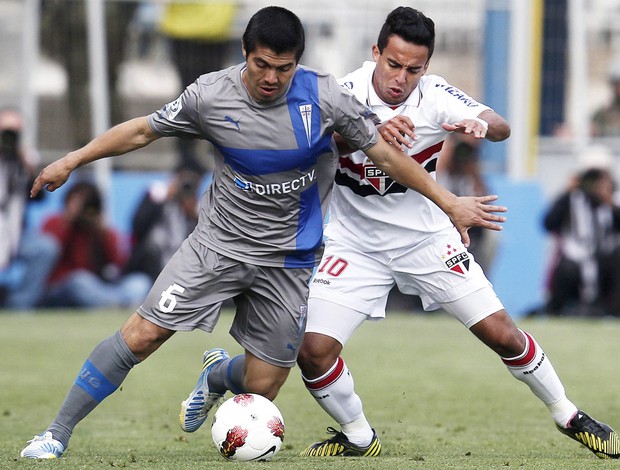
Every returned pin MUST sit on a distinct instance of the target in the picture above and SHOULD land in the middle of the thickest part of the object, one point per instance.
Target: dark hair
(276, 28)
(411, 25)
(588, 181)
(589, 178)
(92, 196)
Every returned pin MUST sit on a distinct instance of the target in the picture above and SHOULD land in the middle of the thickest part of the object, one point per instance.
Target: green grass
(438, 398)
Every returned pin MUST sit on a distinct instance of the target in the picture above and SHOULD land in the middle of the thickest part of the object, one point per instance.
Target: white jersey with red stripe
(368, 208)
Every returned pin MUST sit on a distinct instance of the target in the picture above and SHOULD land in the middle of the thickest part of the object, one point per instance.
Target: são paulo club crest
(379, 180)
(456, 258)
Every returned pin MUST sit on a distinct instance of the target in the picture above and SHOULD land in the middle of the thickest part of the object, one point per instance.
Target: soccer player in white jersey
(381, 234)
(259, 232)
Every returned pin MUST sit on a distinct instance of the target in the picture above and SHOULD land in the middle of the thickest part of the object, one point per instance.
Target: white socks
(534, 368)
(335, 392)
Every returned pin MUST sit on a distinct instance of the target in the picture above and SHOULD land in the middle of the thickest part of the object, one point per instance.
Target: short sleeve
(450, 103)
(354, 121)
(181, 117)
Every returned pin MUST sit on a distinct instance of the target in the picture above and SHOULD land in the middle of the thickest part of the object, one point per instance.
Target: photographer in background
(585, 274)
(88, 272)
(167, 214)
(26, 258)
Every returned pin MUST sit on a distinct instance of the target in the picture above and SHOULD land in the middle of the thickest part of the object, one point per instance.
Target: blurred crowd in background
(77, 257)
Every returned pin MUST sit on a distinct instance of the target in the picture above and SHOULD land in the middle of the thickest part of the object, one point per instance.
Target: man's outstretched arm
(123, 138)
(465, 212)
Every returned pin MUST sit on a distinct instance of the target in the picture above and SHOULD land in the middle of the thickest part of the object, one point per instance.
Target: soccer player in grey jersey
(260, 227)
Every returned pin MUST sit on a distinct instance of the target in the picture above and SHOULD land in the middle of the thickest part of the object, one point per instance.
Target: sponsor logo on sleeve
(172, 109)
(459, 95)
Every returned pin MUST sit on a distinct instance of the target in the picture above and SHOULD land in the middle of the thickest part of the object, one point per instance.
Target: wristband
(482, 122)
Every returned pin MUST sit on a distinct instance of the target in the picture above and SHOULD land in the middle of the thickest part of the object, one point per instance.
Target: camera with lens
(9, 145)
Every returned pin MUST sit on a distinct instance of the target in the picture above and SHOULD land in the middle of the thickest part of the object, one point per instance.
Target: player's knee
(509, 342)
(317, 354)
(303, 359)
(500, 334)
(143, 337)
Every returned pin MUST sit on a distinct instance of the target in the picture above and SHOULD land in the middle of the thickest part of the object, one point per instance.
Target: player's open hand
(399, 132)
(474, 127)
(51, 177)
(476, 212)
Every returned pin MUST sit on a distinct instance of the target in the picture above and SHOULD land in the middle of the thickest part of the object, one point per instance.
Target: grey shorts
(270, 317)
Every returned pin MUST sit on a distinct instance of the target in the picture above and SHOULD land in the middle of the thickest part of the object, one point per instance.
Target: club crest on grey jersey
(306, 118)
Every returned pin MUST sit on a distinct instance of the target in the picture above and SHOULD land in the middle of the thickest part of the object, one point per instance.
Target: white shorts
(440, 270)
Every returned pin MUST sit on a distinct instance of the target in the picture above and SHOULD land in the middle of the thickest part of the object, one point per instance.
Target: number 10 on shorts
(333, 266)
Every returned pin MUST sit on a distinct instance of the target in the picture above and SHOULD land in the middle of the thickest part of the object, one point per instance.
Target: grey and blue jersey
(274, 162)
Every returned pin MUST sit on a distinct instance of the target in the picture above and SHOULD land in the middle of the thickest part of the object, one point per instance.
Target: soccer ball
(248, 427)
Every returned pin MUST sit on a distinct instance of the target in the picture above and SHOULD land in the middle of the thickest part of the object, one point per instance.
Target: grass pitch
(437, 397)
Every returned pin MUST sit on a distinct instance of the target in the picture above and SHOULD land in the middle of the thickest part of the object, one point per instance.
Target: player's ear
(245, 54)
(375, 53)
